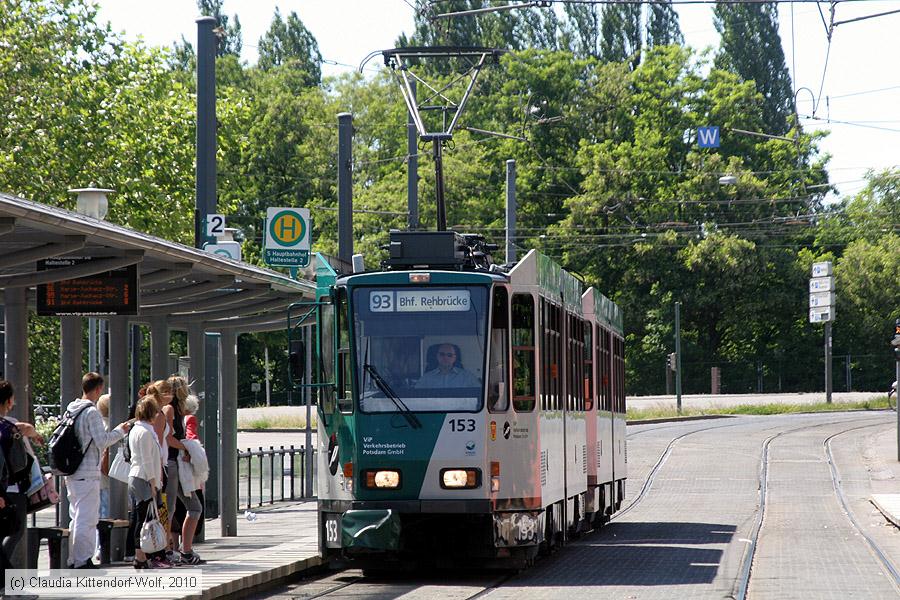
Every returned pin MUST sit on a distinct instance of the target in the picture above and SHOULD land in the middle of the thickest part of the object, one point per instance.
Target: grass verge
(756, 409)
(276, 422)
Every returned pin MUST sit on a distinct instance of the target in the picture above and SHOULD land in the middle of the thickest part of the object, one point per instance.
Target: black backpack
(15, 454)
(65, 448)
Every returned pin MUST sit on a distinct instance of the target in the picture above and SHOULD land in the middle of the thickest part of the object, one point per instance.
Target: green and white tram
(466, 412)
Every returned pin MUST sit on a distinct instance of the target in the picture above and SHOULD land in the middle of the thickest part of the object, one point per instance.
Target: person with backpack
(79, 460)
(16, 467)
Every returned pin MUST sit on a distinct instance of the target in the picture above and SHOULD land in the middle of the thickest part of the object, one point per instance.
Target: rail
(266, 476)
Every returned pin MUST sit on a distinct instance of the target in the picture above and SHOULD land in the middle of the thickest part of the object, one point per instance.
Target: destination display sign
(111, 293)
(419, 300)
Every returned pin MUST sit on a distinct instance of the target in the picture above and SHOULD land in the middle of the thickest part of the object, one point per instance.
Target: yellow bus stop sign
(287, 237)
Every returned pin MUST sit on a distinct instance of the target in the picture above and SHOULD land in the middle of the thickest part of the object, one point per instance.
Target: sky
(855, 95)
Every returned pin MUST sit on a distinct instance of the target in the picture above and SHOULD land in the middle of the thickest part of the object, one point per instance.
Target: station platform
(280, 542)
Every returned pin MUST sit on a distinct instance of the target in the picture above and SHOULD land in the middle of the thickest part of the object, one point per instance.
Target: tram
(467, 412)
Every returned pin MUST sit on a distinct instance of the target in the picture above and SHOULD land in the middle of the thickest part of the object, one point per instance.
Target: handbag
(119, 468)
(153, 534)
(44, 497)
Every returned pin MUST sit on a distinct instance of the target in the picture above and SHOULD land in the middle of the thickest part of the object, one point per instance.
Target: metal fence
(849, 373)
(266, 476)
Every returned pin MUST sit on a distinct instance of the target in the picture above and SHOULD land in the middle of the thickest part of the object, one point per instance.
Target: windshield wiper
(387, 391)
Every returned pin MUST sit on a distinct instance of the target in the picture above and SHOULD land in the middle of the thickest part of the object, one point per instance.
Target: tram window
(498, 369)
(345, 377)
(523, 352)
(551, 391)
(605, 389)
(326, 392)
(588, 366)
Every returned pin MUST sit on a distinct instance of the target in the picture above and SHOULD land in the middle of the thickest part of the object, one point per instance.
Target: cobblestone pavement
(688, 536)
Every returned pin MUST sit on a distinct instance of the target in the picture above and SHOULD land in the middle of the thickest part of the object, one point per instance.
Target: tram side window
(620, 375)
(326, 363)
(523, 352)
(588, 366)
(549, 357)
(345, 377)
(605, 388)
(498, 390)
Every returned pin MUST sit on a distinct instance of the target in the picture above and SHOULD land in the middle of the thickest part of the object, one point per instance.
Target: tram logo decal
(333, 452)
(506, 430)
(470, 448)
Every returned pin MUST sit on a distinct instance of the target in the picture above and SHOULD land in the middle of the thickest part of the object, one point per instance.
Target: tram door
(512, 442)
(335, 405)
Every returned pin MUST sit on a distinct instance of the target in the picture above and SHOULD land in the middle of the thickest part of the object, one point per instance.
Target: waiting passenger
(449, 372)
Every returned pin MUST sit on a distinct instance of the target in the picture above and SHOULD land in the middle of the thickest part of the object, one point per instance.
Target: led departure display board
(110, 293)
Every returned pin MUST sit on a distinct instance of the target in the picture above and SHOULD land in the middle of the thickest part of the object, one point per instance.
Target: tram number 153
(459, 425)
(332, 531)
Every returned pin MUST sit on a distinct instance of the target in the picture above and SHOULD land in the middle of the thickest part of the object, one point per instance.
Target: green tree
(289, 41)
(751, 47)
(662, 25)
(581, 30)
(620, 33)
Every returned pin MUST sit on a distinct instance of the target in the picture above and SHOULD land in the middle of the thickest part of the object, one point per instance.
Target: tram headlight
(455, 479)
(383, 480)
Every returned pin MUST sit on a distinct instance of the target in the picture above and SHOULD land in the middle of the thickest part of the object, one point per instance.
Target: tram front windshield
(420, 349)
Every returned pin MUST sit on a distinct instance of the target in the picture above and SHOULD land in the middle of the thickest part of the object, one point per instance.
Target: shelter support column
(228, 499)
(119, 397)
(159, 348)
(16, 370)
(197, 353)
(71, 350)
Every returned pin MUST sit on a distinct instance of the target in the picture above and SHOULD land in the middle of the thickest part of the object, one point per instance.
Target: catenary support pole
(118, 406)
(678, 356)
(345, 187)
(828, 385)
(16, 369)
(412, 168)
(228, 432)
(510, 211)
(438, 155)
(205, 182)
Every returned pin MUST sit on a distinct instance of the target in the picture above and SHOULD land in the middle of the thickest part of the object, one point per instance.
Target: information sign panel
(230, 250)
(821, 314)
(111, 293)
(821, 284)
(288, 235)
(817, 299)
(822, 269)
(215, 225)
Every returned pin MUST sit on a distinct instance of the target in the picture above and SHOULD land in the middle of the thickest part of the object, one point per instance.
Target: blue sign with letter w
(708, 137)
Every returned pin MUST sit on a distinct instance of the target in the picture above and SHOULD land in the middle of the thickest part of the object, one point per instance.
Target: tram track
(742, 584)
(839, 490)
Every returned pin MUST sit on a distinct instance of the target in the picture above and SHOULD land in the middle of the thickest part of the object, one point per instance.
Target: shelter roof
(183, 284)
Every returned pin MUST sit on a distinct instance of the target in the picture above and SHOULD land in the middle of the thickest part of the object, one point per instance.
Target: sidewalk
(282, 541)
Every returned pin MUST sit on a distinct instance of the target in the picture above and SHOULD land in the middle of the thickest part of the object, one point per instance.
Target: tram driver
(449, 372)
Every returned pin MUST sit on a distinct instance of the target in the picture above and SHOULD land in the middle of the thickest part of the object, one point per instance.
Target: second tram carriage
(465, 411)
